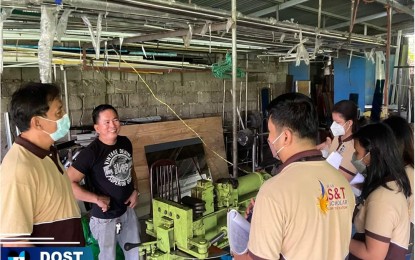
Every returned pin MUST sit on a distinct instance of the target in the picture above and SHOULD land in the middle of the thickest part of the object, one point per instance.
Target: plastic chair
(164, 180)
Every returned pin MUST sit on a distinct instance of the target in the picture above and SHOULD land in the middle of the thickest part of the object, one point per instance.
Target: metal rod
(351, 21)
(358, 20)
(234, 122)
(65, 85)
(240, 103)
(223, 102)
(319, 13)
(388, 47)
(170, 181)
(398, 6)
(400, 93)
(246, 89)
(395, 93)
(208, 13)
(254, 154)
(217, 238)
(281, 6)
(277, 12)
(157, 36)
(158, 187)
(8, 130)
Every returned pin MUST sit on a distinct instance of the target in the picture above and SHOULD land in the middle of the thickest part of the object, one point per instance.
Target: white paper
(325, 153)
(335, 159)
(358, 178)
(238, 232)
(356, 191)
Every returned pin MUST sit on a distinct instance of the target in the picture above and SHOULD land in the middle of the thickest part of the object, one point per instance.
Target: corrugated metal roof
(162, 21)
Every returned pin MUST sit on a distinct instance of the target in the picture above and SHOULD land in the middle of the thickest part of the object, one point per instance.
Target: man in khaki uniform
(36, 199)
(305, 211)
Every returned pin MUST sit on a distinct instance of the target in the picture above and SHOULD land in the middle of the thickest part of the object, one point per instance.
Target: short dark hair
(297, 112)
(99, 109)
(348, 111)
(404, 137)
(31, 100)
(385, 160)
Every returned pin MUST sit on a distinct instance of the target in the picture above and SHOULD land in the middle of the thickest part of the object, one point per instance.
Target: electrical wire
(354, 17)
(174, 112)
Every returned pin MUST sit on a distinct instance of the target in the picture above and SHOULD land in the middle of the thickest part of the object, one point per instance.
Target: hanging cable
(353, 17)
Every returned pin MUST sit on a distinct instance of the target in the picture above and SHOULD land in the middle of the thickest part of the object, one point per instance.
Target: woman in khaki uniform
(405, 138)
(342, 146)
(382, 222)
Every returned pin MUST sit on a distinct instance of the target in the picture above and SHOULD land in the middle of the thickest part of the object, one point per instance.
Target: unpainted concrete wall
(190, 94)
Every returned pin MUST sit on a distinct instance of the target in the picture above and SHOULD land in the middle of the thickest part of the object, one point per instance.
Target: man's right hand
(324, 145)
(103, 202)
(249, 210)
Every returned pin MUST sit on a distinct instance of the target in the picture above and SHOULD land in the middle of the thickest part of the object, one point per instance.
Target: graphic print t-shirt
(107, 169)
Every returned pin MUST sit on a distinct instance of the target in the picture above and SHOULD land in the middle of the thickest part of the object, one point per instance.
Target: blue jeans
(104, 231)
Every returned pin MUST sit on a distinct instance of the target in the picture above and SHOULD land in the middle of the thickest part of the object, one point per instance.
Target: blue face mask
(62, 127)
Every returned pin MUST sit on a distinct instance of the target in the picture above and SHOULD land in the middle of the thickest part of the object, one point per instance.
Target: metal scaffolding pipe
(161, 6)
(210, 14)
(307, 30)
(358, 20)
(398, 6)
(281, 6)
(319, 14)
(395, 93)
(234, 123)
(387, 56)
(65, 85)
(157, 36)
(8, 130)
(246, 89)
(351, 19)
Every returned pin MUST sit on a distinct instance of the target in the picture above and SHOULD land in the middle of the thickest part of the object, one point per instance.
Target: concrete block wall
(189, 94)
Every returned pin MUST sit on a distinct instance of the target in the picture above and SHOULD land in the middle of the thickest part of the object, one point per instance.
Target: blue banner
(46, 253)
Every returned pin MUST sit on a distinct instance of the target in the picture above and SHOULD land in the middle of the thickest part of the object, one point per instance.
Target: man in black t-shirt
(107, 163)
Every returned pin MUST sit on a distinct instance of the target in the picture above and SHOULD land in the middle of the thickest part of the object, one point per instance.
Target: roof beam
(177, 33)
(328, 14)
(397, 6)
(278, 7)
(358, 20)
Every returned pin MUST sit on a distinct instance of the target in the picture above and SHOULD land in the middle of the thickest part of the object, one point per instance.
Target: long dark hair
(404, 136)
(385, 160)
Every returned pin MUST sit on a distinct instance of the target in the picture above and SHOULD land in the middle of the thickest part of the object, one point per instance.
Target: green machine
(199, 221)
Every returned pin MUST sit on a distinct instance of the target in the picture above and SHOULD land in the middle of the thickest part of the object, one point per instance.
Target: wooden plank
(143, 206)
(144, 186)
(209, 129)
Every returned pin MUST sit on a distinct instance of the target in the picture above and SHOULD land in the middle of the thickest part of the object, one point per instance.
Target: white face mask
(271, 146)
(356, 191)
(337, 129)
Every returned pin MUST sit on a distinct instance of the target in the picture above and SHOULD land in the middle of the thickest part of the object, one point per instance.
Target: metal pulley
(254, 120)
(246, 137)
